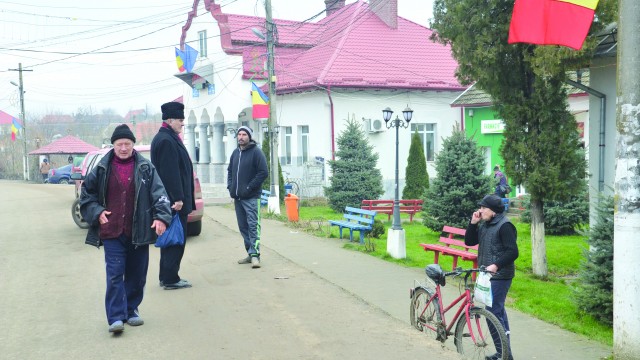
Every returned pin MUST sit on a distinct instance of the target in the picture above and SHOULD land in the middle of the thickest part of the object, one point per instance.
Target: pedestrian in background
(497, 251)
(125, 203)
(44, 170)
(246, 172)
(500, 181)
(171, 159)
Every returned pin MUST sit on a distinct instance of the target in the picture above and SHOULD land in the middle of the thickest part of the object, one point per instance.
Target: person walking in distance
(497, 251)
(125, 203)
(171, 159)
(44, 170)
(246, 172)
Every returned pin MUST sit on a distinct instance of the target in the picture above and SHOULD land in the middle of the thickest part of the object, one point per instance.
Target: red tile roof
(350, 48)
(66, 145)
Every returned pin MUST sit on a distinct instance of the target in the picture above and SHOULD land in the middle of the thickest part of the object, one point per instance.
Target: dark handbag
(174, 235)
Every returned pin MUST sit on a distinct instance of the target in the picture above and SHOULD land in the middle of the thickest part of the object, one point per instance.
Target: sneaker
(255, 262)
(246, 260)
(182, 284)
(116, 327)
(135, 321)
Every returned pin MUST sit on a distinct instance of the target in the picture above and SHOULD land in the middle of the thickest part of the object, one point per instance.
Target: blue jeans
(499, 290)
(126, 266)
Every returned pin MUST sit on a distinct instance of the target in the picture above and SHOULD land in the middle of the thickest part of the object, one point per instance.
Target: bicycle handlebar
(467, 272)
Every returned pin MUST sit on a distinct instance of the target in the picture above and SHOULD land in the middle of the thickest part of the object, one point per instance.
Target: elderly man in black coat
(171, 159)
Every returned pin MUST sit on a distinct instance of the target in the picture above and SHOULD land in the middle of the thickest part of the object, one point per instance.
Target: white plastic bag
(482, 291)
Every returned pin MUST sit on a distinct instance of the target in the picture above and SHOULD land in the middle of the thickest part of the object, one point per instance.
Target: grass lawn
(547, 299)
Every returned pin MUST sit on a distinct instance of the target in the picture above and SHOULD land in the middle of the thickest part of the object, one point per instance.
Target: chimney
(386, 10)
(333, 6)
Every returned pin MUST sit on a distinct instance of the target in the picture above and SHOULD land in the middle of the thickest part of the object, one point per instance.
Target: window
(427, 133)
(304, 143)
(202, 36)
(286, 144)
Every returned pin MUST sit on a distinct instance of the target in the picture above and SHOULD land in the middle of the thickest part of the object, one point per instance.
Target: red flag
(551, 22)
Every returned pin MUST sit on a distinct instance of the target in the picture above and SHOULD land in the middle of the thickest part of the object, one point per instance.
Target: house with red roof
(356, 61)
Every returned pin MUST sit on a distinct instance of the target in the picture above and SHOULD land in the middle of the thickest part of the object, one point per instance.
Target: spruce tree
(594, 291)
(355, 175)
(416, 176)
(461, 183)
(266, 185)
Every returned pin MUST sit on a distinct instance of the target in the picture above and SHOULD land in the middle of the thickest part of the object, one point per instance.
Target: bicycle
(478, 333)
(295, 188)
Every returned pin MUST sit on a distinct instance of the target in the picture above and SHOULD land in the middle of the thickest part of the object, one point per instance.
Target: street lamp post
(395, 240)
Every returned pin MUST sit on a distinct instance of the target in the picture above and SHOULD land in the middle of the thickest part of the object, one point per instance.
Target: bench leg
(436, 256)
(340, 232)
(455, 262)
(361, 237)
(350, 235)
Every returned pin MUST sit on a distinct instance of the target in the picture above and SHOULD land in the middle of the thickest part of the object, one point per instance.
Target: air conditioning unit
(375, 125)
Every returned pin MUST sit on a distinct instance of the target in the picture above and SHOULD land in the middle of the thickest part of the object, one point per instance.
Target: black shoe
(182, 284)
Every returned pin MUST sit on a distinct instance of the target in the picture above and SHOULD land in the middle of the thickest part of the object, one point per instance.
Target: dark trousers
(499, 290)
(248, 216)
(170, 258)
(126, 266)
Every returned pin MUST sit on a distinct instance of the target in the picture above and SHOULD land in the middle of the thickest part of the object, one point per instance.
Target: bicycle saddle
(435, 273)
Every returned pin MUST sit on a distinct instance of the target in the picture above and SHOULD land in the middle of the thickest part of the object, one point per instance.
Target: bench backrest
(264, 197)
(360, 215)
(455, 237)
(413, 204)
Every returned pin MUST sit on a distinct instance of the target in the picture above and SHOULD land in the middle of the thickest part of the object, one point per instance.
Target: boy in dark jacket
(125, 203)
(246, 172)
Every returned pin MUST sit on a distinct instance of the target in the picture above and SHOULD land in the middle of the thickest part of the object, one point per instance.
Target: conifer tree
(594, 290)
(416, 176)
(266, 185)
(461, 183)
(355, 175)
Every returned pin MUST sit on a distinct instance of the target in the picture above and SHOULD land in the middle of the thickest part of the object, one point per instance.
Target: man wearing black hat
(497, 251)
(126, 206)
(246, 172)
(171, 159)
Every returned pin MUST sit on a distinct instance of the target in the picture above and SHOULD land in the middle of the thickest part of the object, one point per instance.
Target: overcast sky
(115, 54)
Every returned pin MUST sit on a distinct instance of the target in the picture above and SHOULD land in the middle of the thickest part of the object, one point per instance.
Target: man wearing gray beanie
(246, 172)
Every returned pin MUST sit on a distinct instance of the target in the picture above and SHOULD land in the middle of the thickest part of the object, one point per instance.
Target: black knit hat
(122, 132)
(172, 110)
(493, 202)
(247, 130)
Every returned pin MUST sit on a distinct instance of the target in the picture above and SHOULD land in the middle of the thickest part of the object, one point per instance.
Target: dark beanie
(122, 132)
(247, 130)
(493, 202)
(172, 110)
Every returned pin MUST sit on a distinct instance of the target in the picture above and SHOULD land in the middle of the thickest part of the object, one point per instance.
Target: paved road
(52, 296)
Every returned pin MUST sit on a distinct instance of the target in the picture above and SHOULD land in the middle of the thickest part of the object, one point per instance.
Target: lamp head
(408, 114)
(386, 114)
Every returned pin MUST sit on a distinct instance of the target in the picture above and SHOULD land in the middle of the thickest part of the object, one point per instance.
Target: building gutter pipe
(333, 122)
(603, 116)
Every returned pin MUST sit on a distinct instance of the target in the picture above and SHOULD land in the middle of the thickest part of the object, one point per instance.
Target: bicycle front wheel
(481, 336)
(425, 315)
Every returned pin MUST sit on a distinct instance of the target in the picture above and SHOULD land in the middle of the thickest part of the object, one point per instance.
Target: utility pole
(274, 199)
(626, 318)
(25, 160)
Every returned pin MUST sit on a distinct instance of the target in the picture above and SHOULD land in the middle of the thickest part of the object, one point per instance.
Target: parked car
(194, 220)
(61, 175)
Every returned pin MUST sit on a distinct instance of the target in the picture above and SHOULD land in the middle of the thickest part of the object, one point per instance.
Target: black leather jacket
(151, 201)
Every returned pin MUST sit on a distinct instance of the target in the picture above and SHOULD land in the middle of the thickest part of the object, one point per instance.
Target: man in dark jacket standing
(246, 172)
(497, 251)
(171, 159)
(124, 201)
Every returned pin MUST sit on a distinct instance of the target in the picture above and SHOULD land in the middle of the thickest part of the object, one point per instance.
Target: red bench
(410, 207)
(453, 245)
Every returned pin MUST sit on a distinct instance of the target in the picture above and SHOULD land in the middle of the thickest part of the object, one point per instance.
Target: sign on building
(491, 127)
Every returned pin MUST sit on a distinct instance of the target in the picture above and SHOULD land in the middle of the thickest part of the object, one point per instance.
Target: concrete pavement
(386, 286)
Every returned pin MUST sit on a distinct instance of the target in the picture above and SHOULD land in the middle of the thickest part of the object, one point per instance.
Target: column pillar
(190, 140)
(205, 148)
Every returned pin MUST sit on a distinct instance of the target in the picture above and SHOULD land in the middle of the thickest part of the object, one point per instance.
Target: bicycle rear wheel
(481, 336)
(426, 318)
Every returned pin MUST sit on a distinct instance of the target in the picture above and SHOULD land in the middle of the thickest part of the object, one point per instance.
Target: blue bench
(355, 219)
(505, 202)
(264, 198)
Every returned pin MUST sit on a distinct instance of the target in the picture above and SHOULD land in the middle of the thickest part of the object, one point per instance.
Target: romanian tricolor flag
(552, 22)
(260, 102)
(186, 59)
(15, 126)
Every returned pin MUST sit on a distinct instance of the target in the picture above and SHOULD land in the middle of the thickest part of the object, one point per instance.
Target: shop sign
(491, 127)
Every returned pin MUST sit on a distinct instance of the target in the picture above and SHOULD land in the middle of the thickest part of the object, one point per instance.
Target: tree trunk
(538, 246)
(626, 247)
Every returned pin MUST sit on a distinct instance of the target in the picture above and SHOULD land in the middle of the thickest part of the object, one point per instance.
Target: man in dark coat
(123, 201)
(245, 174)
(171, 159)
